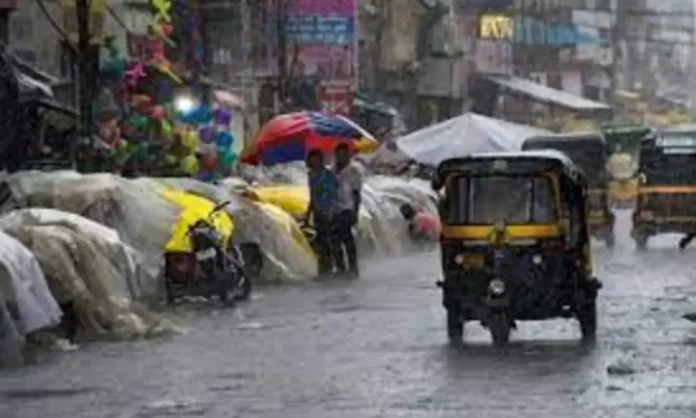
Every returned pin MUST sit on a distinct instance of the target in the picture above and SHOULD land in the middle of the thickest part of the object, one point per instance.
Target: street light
(185, 104)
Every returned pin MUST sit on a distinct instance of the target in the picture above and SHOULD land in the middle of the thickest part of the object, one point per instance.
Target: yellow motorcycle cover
(193, 209)
(292, 199)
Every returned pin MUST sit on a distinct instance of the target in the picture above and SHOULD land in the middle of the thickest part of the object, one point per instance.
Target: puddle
(48, 393)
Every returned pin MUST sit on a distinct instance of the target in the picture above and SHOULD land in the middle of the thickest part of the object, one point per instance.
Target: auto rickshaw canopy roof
(511, 163)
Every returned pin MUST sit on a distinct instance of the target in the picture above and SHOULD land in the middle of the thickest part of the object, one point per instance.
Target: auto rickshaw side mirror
(436, 183)
(642, 178)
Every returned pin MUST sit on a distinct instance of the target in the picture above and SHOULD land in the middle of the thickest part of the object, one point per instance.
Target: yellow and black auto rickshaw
(623, 141)
(515, 242)
(666, 199)
(590, 153)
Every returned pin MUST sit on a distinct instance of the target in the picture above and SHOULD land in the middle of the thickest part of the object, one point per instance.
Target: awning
(547, 94)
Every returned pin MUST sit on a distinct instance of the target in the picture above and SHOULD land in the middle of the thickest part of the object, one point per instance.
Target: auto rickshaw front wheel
(587, 317)
(499, 325)
(455, 325)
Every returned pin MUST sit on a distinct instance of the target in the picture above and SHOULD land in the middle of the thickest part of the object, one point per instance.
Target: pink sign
(323, 8)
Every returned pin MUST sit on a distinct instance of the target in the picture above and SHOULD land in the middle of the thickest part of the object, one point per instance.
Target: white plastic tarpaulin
(465, 134)
(26, 303)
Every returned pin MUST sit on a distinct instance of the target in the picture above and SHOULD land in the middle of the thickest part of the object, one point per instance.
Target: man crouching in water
(347, 210)
(423, 228)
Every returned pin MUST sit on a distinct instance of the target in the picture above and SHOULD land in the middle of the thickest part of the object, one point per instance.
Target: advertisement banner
(322, 43)
(493, 57)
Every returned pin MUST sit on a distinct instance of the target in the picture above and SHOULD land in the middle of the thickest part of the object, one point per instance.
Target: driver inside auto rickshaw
(510, 199)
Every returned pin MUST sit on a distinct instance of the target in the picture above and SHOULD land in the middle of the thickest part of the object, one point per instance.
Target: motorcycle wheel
(221, 286)
(243, 287)
(169, 291)
(455, 325)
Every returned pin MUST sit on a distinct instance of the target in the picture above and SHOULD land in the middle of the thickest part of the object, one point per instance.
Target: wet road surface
(377, 348)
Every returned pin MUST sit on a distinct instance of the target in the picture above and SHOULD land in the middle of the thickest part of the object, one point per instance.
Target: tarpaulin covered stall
(141, 216)
(86, 264)
(465, 134)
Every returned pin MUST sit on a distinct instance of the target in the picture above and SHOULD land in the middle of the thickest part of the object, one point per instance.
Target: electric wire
(56, 26)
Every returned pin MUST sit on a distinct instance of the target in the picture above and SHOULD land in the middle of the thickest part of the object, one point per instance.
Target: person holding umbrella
(347, 210)
(323, 195)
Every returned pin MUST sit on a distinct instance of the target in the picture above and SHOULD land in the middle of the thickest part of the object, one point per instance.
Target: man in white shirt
(347, 209)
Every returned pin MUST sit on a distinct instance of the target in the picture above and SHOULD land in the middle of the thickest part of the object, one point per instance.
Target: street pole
(281, 16)
(84, 78)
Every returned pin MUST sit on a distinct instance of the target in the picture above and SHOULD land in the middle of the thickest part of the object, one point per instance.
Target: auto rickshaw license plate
(473, 261)
(205, 254)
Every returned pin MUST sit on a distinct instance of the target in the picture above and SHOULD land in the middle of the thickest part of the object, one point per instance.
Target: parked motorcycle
(213, 267)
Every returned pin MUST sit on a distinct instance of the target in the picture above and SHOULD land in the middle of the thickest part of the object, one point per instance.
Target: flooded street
(378, 348)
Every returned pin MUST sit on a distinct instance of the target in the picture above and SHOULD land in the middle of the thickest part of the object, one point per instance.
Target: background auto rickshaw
(515, 242)
(667, 185)
(623, 141)
(589, 152)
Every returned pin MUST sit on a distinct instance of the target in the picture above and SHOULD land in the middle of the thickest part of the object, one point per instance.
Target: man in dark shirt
(323, 193)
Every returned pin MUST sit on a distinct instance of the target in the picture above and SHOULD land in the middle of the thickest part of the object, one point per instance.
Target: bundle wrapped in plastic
(140, 215)
(26, 303)
(414, 191)
(290, 173)
(287, 254)
(86, 264)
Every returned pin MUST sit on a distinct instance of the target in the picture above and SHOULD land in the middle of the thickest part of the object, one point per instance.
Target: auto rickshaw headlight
(459, 259)
(496, 287)
(537, 259)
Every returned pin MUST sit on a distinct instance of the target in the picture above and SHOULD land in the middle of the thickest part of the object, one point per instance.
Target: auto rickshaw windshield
(486, 200)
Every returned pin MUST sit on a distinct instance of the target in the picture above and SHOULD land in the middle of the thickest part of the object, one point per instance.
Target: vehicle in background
(589, 152)
(623, 141)
(666, 195)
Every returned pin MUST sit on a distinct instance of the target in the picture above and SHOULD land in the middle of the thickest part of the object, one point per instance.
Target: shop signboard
(322, 43)
(493, 56)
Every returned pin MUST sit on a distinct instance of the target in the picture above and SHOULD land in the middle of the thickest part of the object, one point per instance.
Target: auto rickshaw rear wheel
(587, 317)
(455, 324)
(610, 239)
(499, 326)
(641, 241)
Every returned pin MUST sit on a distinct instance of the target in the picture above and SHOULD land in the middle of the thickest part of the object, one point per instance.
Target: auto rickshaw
(515, 242)
(589, 152)
(666, 199)
(623, 141)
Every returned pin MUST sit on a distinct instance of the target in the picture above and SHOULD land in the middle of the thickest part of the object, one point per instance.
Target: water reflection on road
(377, 348)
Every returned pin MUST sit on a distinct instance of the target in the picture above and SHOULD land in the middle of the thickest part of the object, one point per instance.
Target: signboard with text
(323, 43)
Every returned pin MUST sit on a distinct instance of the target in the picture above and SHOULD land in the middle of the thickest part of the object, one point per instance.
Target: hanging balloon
(157, 113)
(140, 102)
(166, 129)
(138, 122)
(190, 139)
(224, 140)
(209, 162)
(189, 165)
(207, 134)
(170, 110)
(227, 160)
(223, 117)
